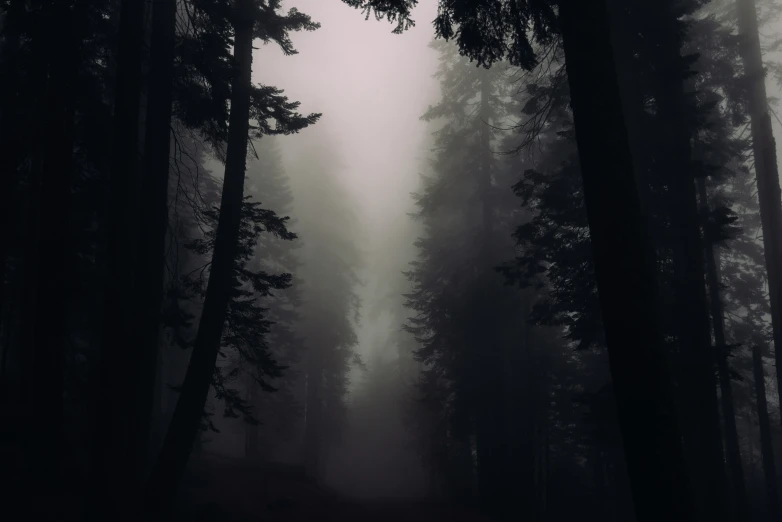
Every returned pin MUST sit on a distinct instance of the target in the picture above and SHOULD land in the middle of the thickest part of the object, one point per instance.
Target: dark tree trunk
(491, 435)
(45, 438)
(733, 449)
(185, 422)
(766, 445)
(116, 429)
(702, 435)
(154, 218)
(625, 273)
(766, 170)
(9, 137)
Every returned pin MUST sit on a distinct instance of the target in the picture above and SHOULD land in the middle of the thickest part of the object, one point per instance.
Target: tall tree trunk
(45, 437)
(766, 170)
(116, 430)
(491, 429)
(9, 136)
(702, 434)
(182, 432)
(733, 449)
(766, 446)
(22, 404)
(625, 274)
(154, 219)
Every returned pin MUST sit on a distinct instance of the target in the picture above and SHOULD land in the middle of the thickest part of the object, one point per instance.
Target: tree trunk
(45, 438)
(766, 446)
(116, 431)
(182, 432)
(626, 277)
(9, 137)
(733, 449)
(154, 218)
(491, 430)
(766, 169)
(702, 435)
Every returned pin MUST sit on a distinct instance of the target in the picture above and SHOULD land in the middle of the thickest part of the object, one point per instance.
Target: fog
(269, 260)
(372, 87)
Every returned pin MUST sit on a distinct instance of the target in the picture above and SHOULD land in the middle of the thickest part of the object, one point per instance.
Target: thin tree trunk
(183, 430)
(766, 170)
(625, 273)
(766, 446)
(116, 430)
(733, 450)
(154, 219)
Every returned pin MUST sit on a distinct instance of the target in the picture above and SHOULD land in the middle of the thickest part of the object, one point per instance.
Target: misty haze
(390, 260)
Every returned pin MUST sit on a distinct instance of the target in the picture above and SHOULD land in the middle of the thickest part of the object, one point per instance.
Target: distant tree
(279, 412)
(330, 260)
(461, 314)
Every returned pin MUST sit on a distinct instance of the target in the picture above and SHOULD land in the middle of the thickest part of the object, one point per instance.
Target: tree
(622, 260)
(766, 169)
(330, 305)
(249, 21)
(117, 431)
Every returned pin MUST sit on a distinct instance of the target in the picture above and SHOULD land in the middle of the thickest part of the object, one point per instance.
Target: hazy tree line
(663, 271)
(591, 316)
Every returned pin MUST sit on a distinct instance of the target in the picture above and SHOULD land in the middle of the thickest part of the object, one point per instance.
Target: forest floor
(225, 490)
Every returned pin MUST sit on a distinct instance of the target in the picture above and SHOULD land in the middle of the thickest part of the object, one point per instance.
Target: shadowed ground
(225, 490)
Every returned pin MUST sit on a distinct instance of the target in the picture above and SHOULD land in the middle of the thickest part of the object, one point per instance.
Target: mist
(381, 260)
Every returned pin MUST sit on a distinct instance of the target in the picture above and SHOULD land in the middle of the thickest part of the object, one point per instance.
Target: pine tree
(261, 103)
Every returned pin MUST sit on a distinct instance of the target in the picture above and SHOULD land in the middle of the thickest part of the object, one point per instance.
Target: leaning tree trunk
(732, 446)
(766, 446)
(154, 219)
(626, 277)
(115, 429)
(185, 422)
(766, 170)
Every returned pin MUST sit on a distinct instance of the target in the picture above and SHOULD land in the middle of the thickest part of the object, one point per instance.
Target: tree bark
(46, 425)
(702, 435)
(9, 136)
(491, 430)
(766, 170)
(766, 446)
(626, 277)
(733, 448)
(154, 218)
(183, 430)
(116, 430)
